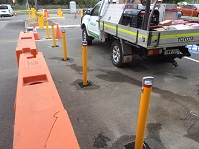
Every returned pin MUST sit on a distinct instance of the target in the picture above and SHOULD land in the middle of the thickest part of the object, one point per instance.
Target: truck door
(93, 24)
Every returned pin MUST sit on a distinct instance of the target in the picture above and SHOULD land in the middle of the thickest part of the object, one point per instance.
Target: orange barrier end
(58, 32)
(26, 44)
(36, 35)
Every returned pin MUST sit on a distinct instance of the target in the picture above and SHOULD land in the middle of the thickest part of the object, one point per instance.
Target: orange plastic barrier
(26, 44)
(40, 118)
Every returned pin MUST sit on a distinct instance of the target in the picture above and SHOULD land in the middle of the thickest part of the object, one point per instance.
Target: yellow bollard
(29, 13)
(33, 13)
(143, 111)
(47, 30)
(84, 62)
(81, 12)
(53, 35)
(60, 13)
(64, 45)
(40, 20)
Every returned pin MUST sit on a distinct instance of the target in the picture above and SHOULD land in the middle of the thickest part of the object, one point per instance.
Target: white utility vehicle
(121, 25)
(6, 10)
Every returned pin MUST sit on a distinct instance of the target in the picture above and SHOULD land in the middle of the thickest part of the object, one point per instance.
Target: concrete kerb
(56, 20)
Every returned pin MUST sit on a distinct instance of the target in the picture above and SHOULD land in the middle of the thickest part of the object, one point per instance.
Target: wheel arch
(83, 26)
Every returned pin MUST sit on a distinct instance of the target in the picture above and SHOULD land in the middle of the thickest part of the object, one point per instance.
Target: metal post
(64, 44)
(84, 62)
(151, 14)
(143, 111)
(36, 6)
(29, 13)
(47, 30)
(146, 15)
(53, 35)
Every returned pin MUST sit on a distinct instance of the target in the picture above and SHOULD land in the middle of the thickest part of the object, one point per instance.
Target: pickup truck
(121, 26)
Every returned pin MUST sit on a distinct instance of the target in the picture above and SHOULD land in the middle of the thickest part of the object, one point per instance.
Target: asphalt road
(104, 115)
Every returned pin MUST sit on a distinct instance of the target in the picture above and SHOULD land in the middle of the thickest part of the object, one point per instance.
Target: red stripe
(147, 86)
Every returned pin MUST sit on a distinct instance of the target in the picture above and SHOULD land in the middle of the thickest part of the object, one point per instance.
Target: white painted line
(191, 59)
(55, 26)
(69, 26)
(45, 39)
(56, 18)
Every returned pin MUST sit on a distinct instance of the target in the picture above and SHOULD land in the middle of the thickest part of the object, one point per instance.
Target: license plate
(172, 51)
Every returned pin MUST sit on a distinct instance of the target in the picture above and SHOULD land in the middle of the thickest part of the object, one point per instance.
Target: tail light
(154, 52)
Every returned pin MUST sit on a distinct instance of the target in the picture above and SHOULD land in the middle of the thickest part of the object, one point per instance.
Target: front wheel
(85, 37)
(116, 54)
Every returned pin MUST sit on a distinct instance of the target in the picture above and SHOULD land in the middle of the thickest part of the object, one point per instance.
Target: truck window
(95, 11)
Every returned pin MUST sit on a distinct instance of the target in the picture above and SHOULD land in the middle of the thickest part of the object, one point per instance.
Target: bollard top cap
(84, 43)
(147, 81)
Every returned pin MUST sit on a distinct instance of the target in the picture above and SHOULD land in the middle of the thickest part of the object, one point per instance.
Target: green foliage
(171, 1)
(81, 3)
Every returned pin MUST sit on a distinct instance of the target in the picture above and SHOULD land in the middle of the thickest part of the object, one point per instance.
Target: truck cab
(90, 24)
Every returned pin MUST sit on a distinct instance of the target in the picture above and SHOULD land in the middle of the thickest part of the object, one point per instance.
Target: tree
(171, 1)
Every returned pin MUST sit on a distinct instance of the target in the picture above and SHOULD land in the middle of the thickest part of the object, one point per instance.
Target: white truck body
(104, 22)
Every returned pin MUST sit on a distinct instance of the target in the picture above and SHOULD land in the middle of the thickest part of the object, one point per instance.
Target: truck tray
(152, 39)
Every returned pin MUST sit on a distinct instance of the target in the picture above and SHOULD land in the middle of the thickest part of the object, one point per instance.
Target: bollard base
(55, 46)
(132, 144)
(48, 38)
(66, 59)
(82, 86)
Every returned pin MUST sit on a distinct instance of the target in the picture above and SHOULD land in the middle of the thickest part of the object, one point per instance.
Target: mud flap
(126, 52)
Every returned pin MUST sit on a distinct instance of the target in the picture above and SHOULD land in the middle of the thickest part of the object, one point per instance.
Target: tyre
(85, 37)
(197, 15)
(116, 54)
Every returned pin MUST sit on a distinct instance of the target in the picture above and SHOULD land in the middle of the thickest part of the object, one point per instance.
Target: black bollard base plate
(132, 145)
(66, 59)
(55, 46)
(82, 86)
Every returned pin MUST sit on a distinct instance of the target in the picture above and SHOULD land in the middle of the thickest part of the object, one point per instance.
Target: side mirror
(88, 12)
(143, 2)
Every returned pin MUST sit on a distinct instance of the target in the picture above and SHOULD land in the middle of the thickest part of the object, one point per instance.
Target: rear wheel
(116, 54)
(85, 37)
